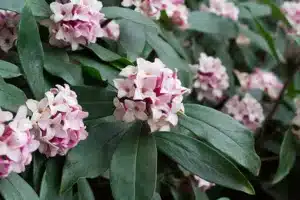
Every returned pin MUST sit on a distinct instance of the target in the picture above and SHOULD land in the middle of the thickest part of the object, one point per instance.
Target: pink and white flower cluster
(175, 9)
(248, 111)
(16, 142)
(203, 184)
(58, 121)
(78, 22)
(8, 29)
(150, 92)
(292, 13)
(259, 79)
(211, 79)
(222, 8)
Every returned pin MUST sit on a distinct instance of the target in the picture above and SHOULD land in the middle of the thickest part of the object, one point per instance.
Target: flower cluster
(296, 120)
(259, 79)
(211, 79)
(78, 22)
(150, 92)
(175, 9)
(222, 8)
(203, 184)
(58, 121)
(16, 142)
(247, 110)
(8, 29)
(292, 13)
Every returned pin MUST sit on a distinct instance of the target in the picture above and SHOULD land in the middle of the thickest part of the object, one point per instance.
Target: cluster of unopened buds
(259, 79)
(203, 184)
(149, 92)
(247, 110)
(222, 8)
(78, 22)
(58, 121)
(296, 120)
(16, 142)
(291, 9)
(211, 79)
(175, 9)
(8, 29)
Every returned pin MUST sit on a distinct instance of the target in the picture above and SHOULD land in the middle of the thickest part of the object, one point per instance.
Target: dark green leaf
(227, 135)
(211, 23)
(15, 188)
(9, 70)
(97, 101)
(51, 182)
(31, 53)
(287, 157)
(156, 196)
(91, 157)
(199, 195)
(202, 160)
(39, 162)
(257, 10)
(103, 53)
(11, 97)
(166, 53)
(133, 166)
(84, 190)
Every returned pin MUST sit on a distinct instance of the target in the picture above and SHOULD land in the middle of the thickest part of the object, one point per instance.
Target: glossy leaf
(39, 166)
(16, 188)
(211, 23)
(227, 135)
(202, 160)
(133, 166)
(287, 157)
(31, 53)
(11, 97)
(92, 156)
(103, 53)
(84, 190)
(9, 70)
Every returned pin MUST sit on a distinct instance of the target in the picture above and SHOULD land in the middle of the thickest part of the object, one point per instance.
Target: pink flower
(16, 142)
(292, 13)
(112, 30)
(211, 79)
(222, 8)
(58, 121)
(8, 29)
(203, 184)
(247, 110)
(157, 95)
(263, 80)
(180, 17)
(77, 23)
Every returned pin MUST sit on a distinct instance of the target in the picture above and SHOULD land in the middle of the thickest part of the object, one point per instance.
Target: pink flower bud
(222, 8)
(8, 29)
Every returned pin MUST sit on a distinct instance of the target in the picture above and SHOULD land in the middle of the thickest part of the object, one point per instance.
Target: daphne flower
(8, 29)
(112, 30)
(157, 95)
(58, 121)
(292, 13)
(222, 8)
(16, 142)
(247, 110)
(77, 23)
(203, 184)
(211, 79)
(125, 87)
(263, 80)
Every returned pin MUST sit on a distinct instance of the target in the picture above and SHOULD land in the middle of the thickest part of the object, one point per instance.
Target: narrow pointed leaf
(9, 70)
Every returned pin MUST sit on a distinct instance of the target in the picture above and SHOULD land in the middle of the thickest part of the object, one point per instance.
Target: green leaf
(287, 157)
(84, 190)
(199, 195)
(97, 101)
(227, 135)
(202, 160)
(132, 41)
(15, 188)
(11, 97)
(9, 70)
(39, 162)
(156, 196)
(71, 73)
(125, 13)
(211, 23)
(103, 53)
(51, 182)
(133, 166)
(257, 10)
(166, 53)
(31, 53)
(92, 156)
